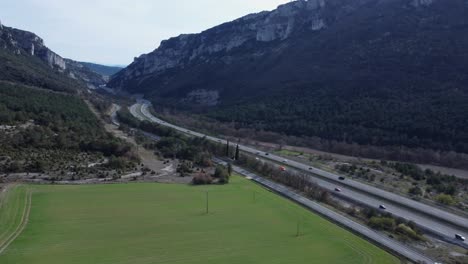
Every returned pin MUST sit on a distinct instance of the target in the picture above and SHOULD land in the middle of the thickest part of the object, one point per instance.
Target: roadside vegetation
(397, 227)
(410, 179)
(253, 135)
(405, 179)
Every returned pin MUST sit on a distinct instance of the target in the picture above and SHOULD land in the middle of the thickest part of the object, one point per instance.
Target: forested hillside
(48, 127)
(388, 73)
(438, 120)
(29, 70)
(45, 125)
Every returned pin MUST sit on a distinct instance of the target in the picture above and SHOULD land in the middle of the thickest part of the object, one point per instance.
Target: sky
(113, 32)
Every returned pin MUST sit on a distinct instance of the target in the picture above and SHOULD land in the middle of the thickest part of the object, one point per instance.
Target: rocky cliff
(22, 42)
(287, 22)
(265, 27)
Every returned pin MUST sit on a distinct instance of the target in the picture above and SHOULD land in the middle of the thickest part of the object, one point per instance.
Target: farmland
(163, 223)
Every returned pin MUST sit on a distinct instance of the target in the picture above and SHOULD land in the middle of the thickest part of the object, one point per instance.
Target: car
(460, 237)
(285, 161)
(311, 168)
(267, 154)
(383, 207)
(282, 168)
(257, 153)
(341, 178)
(337, 190)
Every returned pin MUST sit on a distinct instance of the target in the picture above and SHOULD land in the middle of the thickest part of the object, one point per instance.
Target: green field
(158, 223)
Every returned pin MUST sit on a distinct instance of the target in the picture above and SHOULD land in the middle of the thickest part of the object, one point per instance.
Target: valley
(321, 131)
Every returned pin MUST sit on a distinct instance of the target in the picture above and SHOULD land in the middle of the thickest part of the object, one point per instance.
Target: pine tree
(229, 168)
(227, 149)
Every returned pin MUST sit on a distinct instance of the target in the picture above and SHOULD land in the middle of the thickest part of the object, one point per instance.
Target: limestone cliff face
(288, 21)
(26, 42)
(22, 42)
(265, 27)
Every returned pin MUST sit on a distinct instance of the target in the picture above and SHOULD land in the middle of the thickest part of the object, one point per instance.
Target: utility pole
(237, 153)
(298, 229)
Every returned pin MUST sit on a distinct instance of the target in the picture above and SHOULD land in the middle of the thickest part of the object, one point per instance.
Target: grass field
(14, 209)
(156, 223)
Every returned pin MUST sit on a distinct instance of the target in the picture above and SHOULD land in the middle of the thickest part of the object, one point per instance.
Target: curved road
(433, 220)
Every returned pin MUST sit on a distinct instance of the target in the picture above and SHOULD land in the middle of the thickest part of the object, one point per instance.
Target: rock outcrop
(266, 27)
(22, 42)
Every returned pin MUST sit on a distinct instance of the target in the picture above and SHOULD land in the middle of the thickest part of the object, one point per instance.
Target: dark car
(342, 178)
(383, 207)
(337, 190)
(460, 237)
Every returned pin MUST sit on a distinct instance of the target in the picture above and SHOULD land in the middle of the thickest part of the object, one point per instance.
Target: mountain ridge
(25, 43)
(383, 72)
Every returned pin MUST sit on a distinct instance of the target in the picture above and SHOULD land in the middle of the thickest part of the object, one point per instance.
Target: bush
(204, 160)
(415, 191)
(382, 223)
(117, 163)
(222, 174)
(15, 167)
(408, 232)
(445, 199)
(202, 179)
(184, 168)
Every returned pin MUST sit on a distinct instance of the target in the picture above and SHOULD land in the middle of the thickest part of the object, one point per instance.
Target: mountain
(380, 72)
(44, 122)
(102, 69)
(25, 56)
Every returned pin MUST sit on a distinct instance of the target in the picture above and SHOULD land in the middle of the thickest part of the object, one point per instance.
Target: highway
(438, 222)
(381, 239)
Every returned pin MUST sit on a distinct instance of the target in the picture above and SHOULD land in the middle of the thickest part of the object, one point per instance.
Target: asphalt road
(384, 241)
(438, 222)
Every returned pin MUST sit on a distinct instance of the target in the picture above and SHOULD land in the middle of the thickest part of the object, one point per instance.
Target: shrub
(445, 199)
(415, 191)
(382, 223)
(222, 174)
(117, 163)
(202, 179)
(408, 232)
(184, 168)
